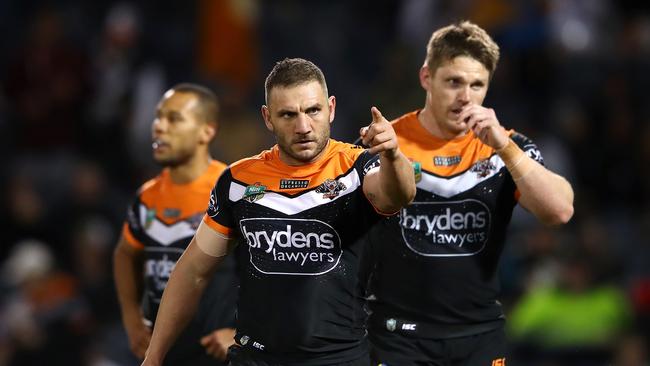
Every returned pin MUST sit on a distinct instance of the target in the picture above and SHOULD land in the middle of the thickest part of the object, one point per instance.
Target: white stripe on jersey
(302, 202)
(449, 187)
(165, 234)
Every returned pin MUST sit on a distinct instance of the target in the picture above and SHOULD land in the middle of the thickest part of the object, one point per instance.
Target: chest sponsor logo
(445, 229)
(331, 188)
(157, 271)
(293, 183)
(446, 160)
(291, 246)
(254, 192)
(483, 168)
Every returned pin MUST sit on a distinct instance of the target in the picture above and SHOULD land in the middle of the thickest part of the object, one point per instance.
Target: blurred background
(79, 81)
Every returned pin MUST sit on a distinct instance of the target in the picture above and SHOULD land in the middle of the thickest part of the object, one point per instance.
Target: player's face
(175, 130)
(452, 86)
(299, 117)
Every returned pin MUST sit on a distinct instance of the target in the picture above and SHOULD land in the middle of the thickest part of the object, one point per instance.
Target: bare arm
(184, 289)
(545, 194)
(392, 186)
(127, 272)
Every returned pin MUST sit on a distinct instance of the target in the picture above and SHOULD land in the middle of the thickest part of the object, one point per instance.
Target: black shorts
(239, 356)
(198, 360)
(394, 349)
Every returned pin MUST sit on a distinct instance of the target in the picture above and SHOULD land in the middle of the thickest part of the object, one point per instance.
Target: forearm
(547, 195)
(396, 180)
(127, 273)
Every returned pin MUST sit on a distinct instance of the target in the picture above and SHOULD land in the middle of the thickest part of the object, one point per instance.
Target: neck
(185, 173)
(428, 121)
(290, 161)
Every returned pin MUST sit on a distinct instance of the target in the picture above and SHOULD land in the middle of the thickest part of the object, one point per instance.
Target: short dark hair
(462, 39)
(208, 103)
(293, 71)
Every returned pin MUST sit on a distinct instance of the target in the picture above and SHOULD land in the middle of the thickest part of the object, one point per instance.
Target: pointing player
(299, 209)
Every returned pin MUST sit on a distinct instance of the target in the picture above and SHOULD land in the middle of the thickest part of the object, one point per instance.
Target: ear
(425, 77)
(266, 114)
(331, 102)
(208, 132)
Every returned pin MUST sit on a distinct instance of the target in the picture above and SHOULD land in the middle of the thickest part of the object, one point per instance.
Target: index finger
(376, 115)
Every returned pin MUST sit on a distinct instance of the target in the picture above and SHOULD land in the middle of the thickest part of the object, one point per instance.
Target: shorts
(395, 349)
(198, 360)
(239, 356)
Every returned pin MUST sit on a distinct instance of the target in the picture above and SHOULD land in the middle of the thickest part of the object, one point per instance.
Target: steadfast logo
(445, 229)
(291, 246)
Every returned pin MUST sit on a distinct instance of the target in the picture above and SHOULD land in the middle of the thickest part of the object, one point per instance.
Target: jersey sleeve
(528, 146)
(133, 230)
(364, 164)
(219, 213)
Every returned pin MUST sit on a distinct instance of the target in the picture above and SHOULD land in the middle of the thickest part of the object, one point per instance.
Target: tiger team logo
(331, 188)
(254, 192)
(483, 168)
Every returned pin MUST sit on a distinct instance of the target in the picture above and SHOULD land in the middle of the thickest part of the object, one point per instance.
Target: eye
(454, 82)
(287, 115)
(313, 111)
(478, 86)
(175, 117)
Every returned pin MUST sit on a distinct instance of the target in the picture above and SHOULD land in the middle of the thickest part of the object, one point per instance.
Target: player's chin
(458, 125)
(164, 160)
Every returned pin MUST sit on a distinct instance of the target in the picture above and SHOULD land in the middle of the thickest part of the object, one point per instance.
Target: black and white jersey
(300, 301)
(434, 266)
(161, 221)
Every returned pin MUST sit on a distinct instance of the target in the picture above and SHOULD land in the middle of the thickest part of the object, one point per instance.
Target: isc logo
(408, 327)
(258, 346)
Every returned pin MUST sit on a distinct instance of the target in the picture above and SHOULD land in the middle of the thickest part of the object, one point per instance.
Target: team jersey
(434, 266)
(161, 222)
(300, 227)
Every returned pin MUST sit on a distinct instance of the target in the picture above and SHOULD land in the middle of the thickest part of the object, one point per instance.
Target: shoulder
(218, 166)
(345, 150)
(403, 122)
(251, 162)
(152, 184)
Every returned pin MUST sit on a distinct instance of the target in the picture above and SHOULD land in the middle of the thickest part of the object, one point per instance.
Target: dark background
(79, 81)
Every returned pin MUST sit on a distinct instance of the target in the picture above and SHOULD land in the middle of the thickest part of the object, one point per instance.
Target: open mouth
(158, 144)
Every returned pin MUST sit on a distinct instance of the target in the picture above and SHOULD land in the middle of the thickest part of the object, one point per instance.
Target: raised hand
(379, 135)
(485, 125)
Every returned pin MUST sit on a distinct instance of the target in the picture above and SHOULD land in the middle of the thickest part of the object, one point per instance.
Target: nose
(159, 125)
(464, 95)
(303, 124)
